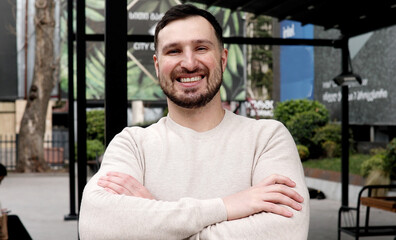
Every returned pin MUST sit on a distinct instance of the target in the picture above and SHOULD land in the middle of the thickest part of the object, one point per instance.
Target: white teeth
(193, 79)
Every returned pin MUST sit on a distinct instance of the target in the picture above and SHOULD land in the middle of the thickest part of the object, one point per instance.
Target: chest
(201, 168)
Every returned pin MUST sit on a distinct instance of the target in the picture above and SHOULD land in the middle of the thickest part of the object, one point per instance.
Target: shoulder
(140, 134)
(255, 124)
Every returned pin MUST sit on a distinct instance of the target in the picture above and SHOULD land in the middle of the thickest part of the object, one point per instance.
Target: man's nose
(189, 61)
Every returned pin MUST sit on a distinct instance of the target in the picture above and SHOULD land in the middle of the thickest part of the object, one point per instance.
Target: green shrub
(378, 150)
(328, 138)
(329, 132)
(302, 127)
(331, 149)
(96, 125)
(303, 151)
(384, 160)
(94, 148)
(390, 158)
(286, 110)
(376, 162)
(303, 117)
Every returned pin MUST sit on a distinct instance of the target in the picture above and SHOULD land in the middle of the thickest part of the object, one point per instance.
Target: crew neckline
(185, 130)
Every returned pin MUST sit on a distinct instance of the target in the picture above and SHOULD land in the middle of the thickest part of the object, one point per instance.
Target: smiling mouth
(189, 80)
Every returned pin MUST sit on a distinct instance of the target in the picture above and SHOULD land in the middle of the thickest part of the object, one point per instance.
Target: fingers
(113, 186)
(123, 184)
(276, 192)
(281, 184)
(277, 179)
(284, 190)
(279, 198)
(276, 209)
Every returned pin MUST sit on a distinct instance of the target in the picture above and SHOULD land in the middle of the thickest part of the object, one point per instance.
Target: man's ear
(155, 58)
(224, 57)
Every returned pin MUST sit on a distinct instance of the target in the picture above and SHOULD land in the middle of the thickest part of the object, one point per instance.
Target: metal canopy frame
(352, 17)
(116, 39)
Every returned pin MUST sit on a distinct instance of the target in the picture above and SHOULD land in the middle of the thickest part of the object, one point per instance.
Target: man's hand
(123, 184)
(266, 196)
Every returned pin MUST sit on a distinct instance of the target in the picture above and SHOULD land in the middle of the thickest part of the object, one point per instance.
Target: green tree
(31, 134)
(260, 75)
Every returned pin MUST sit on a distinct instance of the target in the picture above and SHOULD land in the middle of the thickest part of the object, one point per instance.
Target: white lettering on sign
(331, 97)
(144, 16)
(368, 96)
(260, 108)
(156, 16)
(329, 84)
(138, 16)
(288, 31)
(143, 46)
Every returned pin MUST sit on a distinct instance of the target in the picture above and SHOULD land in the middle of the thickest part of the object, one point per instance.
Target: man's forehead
(191, 28)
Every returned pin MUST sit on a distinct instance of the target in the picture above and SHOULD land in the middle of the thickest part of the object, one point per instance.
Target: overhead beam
(283, 41)
(240, 40)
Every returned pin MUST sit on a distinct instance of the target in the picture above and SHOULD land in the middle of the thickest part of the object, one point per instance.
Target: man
(201, 172)
(3, 212)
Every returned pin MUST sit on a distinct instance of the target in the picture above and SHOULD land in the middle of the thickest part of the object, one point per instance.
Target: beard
(190, 98)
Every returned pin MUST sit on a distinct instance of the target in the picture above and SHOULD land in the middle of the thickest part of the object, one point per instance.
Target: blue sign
(296, 63)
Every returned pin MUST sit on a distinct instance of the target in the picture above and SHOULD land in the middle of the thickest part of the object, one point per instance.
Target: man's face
(189, 62)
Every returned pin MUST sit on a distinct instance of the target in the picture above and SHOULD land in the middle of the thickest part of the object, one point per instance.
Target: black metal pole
(116, 99)
(70, 117)
(345, 128)
(81, 100)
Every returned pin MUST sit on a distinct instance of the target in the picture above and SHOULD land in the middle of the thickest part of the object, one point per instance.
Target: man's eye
(202, 48)
(173, 51)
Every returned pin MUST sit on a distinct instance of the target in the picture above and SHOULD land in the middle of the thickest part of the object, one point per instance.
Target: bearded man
(202, 172)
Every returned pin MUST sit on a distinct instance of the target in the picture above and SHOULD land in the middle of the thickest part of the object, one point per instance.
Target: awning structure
(351, 17)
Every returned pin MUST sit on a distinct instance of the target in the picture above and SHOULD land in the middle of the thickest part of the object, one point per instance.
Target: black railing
(8, 151)
(55, 150)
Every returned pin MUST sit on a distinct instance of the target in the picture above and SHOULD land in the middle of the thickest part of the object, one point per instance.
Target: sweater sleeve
(278, 155)
(108, 216)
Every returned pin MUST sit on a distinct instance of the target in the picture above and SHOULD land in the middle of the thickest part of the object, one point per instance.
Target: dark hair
(3, 170)
(184, 11)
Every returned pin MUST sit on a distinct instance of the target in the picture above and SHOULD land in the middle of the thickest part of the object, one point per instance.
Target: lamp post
(345, 79)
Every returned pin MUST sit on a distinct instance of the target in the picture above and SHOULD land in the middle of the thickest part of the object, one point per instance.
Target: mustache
(176, 73)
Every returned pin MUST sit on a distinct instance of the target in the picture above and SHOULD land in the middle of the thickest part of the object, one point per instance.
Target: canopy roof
(351, 17)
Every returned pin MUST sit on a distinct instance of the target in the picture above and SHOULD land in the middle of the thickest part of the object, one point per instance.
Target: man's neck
(199, 119)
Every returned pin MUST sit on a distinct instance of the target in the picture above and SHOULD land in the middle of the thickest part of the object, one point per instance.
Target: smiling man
(202, 172)
(190, 69)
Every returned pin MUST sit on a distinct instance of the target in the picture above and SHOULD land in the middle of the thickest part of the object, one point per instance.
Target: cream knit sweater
(188, 172)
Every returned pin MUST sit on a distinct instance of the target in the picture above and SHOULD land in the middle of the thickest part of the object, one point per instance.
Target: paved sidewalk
(42, 201)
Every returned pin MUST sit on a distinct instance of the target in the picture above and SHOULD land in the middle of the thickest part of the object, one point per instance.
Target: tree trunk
(31, 135)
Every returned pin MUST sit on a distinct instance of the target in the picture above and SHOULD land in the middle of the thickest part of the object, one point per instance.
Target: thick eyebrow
(196, 42)
(203, 41)
(169, 46)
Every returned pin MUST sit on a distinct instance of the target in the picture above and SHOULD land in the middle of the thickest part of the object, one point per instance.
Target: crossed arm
(271, 195)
